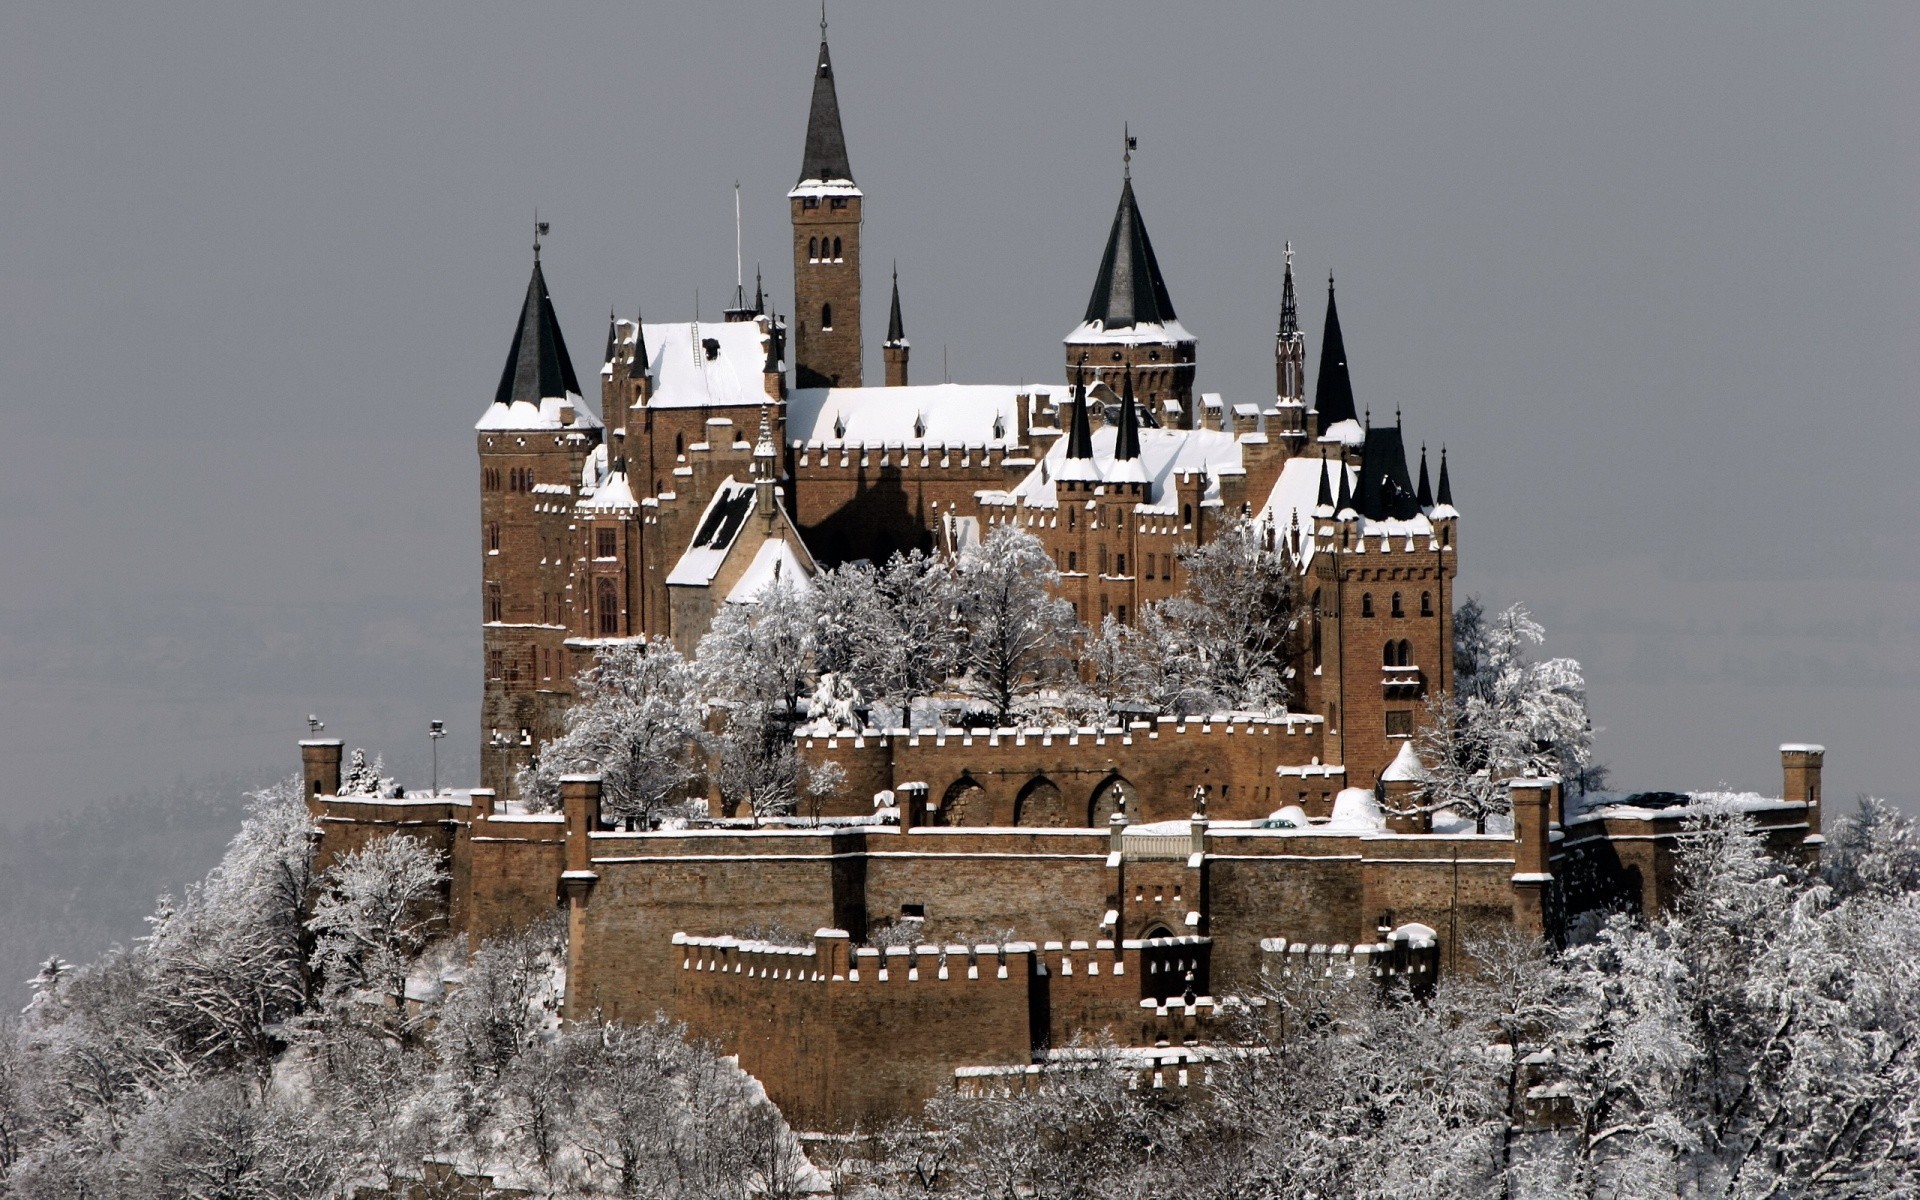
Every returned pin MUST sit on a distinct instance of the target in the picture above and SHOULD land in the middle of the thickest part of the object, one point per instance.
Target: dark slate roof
(896, 328)
(537, 364)
(1385, 490)
(642, 361)
(1345, 501)
(1129, 290)
(1423, 491)
(1289, 307)
(1126, 443)
(1079, 431)
(1333, 392)
(724, 520)
(1446, 485)
(1325, 499)
(826, 145)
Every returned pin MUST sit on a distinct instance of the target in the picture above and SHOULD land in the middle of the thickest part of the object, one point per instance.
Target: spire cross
(823, 20)
(1126, 156)
(539, 231)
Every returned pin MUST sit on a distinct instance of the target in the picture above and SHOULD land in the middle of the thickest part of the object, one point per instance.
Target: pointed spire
(759, 293)
(1289, 307)
(1079, 432)
(1445, 495)
(1333, 392)
(826, 156)
(1423, 496)
(1325, 499)
(612, 324)
(1344, 504)
(1126, 444)
(1129, 289)
(896, 329)
(642, 361)
(538, 365)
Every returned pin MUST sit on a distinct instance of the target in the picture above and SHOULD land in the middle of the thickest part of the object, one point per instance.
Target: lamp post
(435, 731)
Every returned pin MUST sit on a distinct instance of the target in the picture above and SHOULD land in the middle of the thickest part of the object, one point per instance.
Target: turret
(894, 350)
(1290, 367)
(1130, 320)
(1333, 391)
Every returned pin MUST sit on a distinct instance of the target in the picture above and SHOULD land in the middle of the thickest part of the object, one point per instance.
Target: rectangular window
(605, 543)
(1121, 614)
(1073, 560)
(1120, 564)
(496, 664)
(1149, 566)
(1400, 722)
(838, 202)
(494, 605)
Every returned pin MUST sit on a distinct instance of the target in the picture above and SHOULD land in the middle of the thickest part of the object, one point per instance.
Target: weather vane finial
(1133, 143)
(539, 231)
(823, 20)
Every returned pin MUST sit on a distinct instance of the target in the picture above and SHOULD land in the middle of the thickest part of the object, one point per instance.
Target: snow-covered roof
(1297, 492)
(613, 494)
(1355, 810)
(774, 560)
(689, 373)
(939, 414)
(1157, 333)
(1164, 453)
(1347, 433)
(726, 513)
(522, 416)
(1406, 767)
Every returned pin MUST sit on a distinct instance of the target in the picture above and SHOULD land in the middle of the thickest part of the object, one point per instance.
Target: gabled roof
(732, 503)
(924, 415)
(538, 376)
(826, 157)
(687, 372)
(1129, 293)
(1333, 391)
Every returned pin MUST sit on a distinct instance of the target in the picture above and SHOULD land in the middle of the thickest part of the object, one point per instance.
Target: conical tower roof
(896, 328)
(826, 158)
(1333, 392)
(1289, 306)
(1344, 504)
(1126, 442)
(1385, 491)
(1423, 492)
(1325, 499)
(1079, 431)
(1445, 495)
(1129, 289)
(538, 365)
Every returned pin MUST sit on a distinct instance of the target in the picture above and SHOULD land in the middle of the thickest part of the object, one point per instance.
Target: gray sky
(1649, 272)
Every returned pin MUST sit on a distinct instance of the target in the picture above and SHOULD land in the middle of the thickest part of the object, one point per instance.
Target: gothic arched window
(813, 249)
(679, 444)
(826, 316)
(1366, 604)
(836, 249)
(1426, 604)
(1397, 610)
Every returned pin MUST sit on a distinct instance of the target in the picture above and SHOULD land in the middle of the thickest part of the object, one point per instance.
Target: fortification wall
(993, 777)
(839, 1037)
(973, 885)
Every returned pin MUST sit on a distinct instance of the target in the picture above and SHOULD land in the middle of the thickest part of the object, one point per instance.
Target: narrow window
(1120, 614)
(1406, 653)
(679, 444)
(1103, 560)
(1120, 564)
(1397, 610)
(1389, 658)
(1186, 515)
(493, 535)
(1446, 536)
(1073, 518)
(609, 606)
(826, 317)
(1073, 560)
(1366, 604)
(496, 664)
(836, 249)
(494, 605)
(1149, 566)
(1426, 604)
(813, 249)
(605, 543)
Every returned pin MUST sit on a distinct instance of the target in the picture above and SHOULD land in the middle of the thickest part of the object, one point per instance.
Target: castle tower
(895, 349)
(1333, 391)
(1130, 320)
(826, 246)
(534, 440)
(1290, 367)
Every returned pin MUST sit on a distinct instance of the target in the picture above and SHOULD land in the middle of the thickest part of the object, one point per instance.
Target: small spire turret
(1333, 391)
(1423, 494)
(1079, 432)
(1445, 495)
(1126, 444)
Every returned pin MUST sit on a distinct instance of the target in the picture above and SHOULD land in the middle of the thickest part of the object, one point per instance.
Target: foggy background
(1649, 273)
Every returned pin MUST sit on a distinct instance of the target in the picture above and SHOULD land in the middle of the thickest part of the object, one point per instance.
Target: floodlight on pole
(435, 731)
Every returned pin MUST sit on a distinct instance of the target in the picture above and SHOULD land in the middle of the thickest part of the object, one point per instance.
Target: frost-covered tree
(1508, 715)
(756, 663)
(363, 778)
(1236, 616)
(374, 916)
(636, 723)
(1016, 630)
(889, 630)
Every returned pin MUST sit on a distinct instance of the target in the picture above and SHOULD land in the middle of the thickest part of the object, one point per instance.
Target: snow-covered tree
(374, 916)
(1016, 630)
(1507, 716)
(636, 723)
(760, 653)
(363, 778)
(1235, 617)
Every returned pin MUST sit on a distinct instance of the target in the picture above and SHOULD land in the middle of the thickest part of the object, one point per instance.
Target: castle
(1062, 880)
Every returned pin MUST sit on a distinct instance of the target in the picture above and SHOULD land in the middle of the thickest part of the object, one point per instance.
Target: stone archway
(1106, 801)
(966, 803)
(1040, 804)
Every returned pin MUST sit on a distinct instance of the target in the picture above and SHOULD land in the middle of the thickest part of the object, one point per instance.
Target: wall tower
(894, 349)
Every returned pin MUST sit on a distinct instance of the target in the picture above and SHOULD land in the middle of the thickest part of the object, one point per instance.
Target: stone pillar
(1800, 763)
(832, 949)
(320, 769)
(580, 802)
(1533, 800)
(911, 799)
